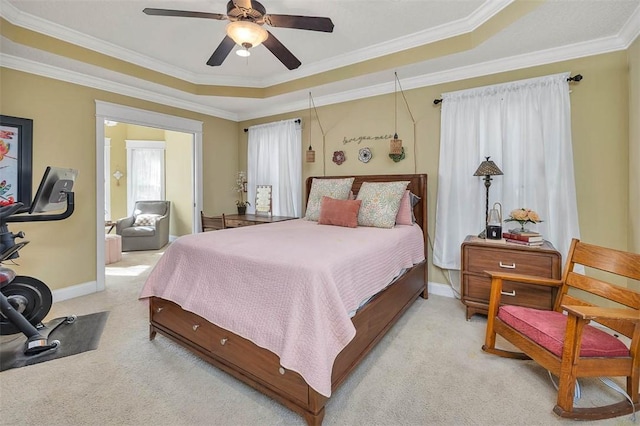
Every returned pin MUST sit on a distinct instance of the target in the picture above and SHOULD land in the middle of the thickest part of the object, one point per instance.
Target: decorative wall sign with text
(359, 139)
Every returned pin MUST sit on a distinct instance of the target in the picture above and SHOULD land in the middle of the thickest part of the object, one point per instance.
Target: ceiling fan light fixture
(246, 33)
(243, 52)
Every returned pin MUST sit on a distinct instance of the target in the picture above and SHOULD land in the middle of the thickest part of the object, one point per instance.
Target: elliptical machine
(24, 300)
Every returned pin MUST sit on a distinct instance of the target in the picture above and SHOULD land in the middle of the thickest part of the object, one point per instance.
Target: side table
(479, 255)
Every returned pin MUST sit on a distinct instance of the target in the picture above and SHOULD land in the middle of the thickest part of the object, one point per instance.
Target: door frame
(140, 117)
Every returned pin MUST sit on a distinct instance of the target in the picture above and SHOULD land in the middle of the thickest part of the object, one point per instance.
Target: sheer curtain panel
(525, 126)
(145, 167)
(275, 158)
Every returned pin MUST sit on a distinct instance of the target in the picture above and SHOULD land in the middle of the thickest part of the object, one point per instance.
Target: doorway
(129, 115)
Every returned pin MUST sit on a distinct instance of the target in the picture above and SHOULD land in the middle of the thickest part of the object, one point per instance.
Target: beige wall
(634, 151)
(634, 146)
(179, 182)
(600, 116)
(64, 253)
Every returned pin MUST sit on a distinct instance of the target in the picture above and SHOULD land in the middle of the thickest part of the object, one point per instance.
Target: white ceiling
(180, 47)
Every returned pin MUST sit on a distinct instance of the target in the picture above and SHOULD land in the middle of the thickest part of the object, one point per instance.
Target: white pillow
(334, 188)
(380, 203)
(146, 219)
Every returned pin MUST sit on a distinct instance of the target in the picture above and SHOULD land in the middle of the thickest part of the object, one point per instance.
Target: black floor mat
(79, 336)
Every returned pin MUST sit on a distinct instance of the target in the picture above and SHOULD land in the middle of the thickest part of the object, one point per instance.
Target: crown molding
(631, 29)
(528, 60)
(622, 41)
(57, 73)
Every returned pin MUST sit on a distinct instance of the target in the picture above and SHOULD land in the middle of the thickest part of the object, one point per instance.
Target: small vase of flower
(523, 216)
(241, 188)
(242, 206)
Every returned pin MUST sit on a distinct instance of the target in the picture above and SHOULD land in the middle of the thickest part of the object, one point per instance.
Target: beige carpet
(429, 370)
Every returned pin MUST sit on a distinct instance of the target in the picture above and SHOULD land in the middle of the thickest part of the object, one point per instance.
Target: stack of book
(528, 238)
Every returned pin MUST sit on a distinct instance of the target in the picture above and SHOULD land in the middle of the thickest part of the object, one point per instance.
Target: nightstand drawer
(478, 289)
(481, 259)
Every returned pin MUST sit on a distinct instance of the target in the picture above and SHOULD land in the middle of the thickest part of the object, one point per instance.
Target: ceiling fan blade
(312, 23)
(221, 52)
(281, 52)
(183, 13)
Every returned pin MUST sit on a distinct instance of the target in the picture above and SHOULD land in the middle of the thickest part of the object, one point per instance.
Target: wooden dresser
(478, 256)
(238, 220)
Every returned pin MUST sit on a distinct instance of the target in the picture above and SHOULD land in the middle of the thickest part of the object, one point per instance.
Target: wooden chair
(212, 223)
(567, 345)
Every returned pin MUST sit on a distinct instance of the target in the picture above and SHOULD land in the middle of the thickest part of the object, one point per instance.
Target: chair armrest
(597, 312)
(526, 279)
(125, 222)
(497, 278)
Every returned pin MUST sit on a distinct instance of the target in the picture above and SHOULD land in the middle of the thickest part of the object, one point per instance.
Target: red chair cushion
(547, 328)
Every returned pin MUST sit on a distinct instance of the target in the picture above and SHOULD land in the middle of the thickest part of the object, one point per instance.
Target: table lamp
(487, 169)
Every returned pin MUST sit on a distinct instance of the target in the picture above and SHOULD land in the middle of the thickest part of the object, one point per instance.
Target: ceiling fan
(247, 18)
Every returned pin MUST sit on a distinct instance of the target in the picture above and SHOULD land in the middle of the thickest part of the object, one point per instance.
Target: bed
(200, 318)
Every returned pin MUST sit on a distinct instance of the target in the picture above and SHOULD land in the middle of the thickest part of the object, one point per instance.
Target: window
(145, 169)
(275, 158)
(525, 126)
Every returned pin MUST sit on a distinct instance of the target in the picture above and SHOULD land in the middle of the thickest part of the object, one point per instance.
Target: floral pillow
(334, 188)
(380, 203)
(146, 219)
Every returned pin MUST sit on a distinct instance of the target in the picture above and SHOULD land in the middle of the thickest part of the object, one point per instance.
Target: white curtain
(525, 127)
(275, 158)
(145, 166)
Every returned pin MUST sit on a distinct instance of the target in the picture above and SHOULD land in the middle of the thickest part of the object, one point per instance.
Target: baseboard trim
(441, 289)
(75, 291)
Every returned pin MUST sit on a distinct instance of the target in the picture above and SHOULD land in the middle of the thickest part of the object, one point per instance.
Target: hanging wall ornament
(311, 154)
(395, 145)
(338, 157)
(397, 157)
(364, 155)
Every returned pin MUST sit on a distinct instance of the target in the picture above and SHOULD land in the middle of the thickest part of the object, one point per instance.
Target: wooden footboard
(261, 368)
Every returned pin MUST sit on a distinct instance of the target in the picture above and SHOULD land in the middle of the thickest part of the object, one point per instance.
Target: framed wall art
(16, 142)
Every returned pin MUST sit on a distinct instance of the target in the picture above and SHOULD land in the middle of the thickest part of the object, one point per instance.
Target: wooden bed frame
(261, 368)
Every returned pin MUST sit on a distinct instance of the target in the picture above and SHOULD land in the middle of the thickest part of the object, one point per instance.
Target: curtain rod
(577, 78)
(297, 122)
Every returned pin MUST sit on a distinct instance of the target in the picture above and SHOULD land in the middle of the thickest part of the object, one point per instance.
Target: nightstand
(479, 255)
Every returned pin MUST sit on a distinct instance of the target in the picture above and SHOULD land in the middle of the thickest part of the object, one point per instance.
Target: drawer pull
(223, 341)
(281, 370)
(159, 309)
(508, 293)
(512, 266)
(195, 327)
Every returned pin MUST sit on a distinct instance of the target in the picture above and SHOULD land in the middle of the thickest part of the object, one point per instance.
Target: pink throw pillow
(339, 212)
(404, 212)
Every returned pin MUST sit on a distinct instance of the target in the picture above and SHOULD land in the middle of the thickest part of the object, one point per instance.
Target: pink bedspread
(285, 286)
